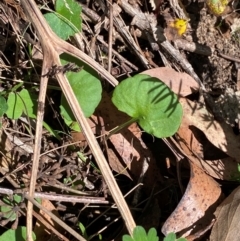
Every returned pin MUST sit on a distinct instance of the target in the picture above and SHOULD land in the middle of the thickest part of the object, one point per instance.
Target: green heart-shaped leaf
(66, 21)
(151, 102)
(88, 91)
(19, 234)
(3, 105)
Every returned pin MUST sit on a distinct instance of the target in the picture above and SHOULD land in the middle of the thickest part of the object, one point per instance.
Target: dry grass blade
(52, 47)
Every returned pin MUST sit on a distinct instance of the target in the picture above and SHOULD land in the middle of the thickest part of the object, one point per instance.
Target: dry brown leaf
(212, 160)
(180, 83)
(40, 230)
(194, 212)
(117, 165)
(227, 225)
(219, 134)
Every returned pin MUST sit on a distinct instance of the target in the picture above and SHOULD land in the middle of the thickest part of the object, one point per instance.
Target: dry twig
(52, 47)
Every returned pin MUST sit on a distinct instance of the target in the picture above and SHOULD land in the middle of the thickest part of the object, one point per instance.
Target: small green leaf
(51, 131)
(29, 100)
(173, 237)
(66, 21)
(15, 106)
(139, 234)
(127, 237)
(7, 201)
(83, 230)
(8, 213)
(71, 10)
(75, 126)
(19, 234)
(88, 91)
(19, 102)
(152, 235)
(3, 106)
(151, 102)
(170, 237)
(17, 198)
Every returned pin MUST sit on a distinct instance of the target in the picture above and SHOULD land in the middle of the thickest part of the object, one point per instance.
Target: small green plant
(24, 102)
(173, 237)
(84, 232)
(10, 209)
(139, 234)
(150, 103)
(19, 234)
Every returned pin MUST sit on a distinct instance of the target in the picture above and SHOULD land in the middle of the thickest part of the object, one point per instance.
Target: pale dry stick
(110, 35)
(52, 47)
(58, 197)
(70, 198)
(38, 136)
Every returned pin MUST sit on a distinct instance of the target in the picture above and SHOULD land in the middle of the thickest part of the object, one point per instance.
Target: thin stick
(53, 46)
(37, 146)
(58, 197)
(110, 36)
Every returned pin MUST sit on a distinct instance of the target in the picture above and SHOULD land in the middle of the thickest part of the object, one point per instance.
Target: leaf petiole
(118, 128)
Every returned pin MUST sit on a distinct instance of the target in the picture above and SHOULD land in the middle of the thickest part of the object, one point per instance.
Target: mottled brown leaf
(193, 213)
(195, 143)
(219, 134)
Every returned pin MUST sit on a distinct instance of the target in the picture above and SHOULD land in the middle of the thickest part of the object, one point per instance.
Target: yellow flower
(180, 25)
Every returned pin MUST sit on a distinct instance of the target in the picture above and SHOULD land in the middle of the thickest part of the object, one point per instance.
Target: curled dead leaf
(218, 133)
(194, 212)
(205, 154)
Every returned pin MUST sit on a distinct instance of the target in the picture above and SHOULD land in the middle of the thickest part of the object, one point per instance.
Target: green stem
(117, 129)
